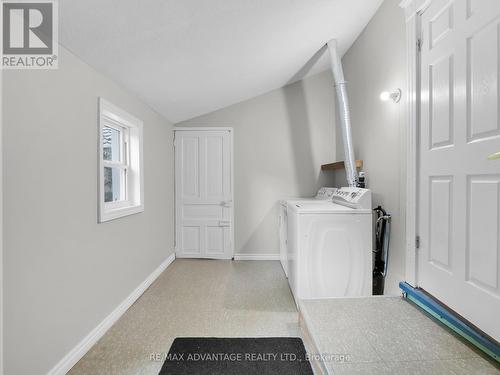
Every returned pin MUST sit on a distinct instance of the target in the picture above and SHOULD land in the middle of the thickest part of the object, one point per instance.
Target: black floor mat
(208, 355)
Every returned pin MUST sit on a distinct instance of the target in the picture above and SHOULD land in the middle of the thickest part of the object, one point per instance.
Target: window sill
(116, 213)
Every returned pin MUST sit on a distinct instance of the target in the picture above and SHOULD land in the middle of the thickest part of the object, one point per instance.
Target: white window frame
(131, 130)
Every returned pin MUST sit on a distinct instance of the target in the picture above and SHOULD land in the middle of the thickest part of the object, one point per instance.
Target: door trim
(413, 10)
(231, 161)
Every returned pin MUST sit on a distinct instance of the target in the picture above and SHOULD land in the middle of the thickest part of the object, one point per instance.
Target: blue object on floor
(449, 319)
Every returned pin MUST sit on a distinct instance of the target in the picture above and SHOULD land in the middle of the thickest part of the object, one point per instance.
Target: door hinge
(417, 242)
(419, 44)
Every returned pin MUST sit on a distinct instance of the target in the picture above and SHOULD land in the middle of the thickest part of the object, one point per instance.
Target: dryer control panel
(326, 193)
(353, 197)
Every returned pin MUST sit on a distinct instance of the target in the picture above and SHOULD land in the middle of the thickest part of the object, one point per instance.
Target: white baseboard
(256, 257)
(84, 346)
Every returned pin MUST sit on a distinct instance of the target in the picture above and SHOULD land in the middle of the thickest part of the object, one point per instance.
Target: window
(120, 166)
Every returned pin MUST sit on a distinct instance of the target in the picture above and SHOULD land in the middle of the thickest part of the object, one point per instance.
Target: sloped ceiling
(189, 57)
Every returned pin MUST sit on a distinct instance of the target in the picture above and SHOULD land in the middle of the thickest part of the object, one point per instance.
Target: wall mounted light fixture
(395, 96)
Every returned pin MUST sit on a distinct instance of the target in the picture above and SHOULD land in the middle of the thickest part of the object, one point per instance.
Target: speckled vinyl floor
(195, 298)
(387, 335)
(378, 335)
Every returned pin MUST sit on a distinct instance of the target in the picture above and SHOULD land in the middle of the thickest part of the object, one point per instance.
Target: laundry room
(287, 141)
(243, 187)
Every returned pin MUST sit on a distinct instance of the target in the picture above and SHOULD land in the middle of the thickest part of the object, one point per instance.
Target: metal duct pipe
(345, 116)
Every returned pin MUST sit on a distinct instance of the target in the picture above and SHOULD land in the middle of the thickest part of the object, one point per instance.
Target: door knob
(494, 156)
(226, 203)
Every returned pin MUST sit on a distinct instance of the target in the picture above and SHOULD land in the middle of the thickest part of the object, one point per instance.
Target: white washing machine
(324, 194)
(329, 250)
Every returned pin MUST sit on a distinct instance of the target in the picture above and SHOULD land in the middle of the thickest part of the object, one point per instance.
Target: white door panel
(459, 188)
(204, 210)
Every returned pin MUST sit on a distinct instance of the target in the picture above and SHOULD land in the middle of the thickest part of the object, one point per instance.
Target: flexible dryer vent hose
(345, 115)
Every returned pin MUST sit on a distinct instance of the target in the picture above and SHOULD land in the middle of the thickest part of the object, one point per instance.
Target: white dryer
(324, 194)
(329, 250)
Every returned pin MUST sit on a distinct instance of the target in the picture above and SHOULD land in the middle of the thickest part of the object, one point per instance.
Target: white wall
(376, 62)
(64, 273)
(281, 139)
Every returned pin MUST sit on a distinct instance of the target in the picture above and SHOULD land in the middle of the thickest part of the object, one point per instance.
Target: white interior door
(204, 194)
(459, 188)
